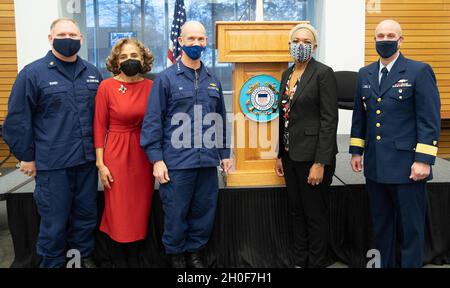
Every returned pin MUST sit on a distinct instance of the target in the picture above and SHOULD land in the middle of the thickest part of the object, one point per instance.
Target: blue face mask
(194, 52)
(386, 48)
(66, 46)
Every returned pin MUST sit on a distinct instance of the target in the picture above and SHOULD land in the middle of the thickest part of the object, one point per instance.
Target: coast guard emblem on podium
(259, 98)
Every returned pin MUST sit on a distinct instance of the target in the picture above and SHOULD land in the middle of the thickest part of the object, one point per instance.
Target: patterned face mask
(301, 52)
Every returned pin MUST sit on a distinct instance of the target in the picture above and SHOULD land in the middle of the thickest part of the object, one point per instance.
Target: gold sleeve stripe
(426, 149)
(357, 142)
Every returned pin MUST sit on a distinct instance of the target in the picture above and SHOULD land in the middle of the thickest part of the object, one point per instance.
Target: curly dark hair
(112, 62)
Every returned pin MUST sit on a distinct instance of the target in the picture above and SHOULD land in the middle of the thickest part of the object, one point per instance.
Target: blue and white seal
(259, 98)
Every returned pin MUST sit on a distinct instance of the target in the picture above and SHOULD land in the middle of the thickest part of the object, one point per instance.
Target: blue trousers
(189, 201)
(398, 217)
(67, 203)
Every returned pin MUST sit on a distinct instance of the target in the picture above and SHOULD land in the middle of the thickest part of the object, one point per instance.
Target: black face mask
(66, 46)
(386, 48)
(131, 67)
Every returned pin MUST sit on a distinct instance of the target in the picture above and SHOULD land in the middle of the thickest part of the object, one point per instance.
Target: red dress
(119, 112)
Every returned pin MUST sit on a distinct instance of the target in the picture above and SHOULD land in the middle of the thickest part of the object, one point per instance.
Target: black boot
(194, 260)
(177, 261)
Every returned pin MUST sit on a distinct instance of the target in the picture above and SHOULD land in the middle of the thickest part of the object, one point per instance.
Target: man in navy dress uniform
(49, 128)
(183, 101)
(396, 125)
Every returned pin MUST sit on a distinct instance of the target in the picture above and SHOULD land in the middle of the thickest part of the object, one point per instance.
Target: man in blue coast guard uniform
(173, 136)
(396, 124)
(49, 128)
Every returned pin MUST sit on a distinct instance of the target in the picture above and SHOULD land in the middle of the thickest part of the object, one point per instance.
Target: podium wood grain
(255, 48)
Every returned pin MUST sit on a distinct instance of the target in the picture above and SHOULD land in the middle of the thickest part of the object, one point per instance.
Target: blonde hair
(304, 26)
(112, 62)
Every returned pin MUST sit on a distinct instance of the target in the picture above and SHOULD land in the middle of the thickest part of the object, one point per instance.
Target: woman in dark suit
(307, 146)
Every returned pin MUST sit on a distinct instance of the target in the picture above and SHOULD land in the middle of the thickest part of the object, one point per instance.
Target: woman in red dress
(125, 171)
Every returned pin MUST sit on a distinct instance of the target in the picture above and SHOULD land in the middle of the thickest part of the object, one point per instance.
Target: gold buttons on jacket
(400, 97)
(378, 138)
(378, 125)
(379, 100)
(378, 112)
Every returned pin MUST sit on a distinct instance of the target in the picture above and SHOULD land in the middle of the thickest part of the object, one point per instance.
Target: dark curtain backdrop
(252, 229)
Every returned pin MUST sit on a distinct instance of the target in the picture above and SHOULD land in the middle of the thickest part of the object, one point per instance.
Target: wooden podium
(255, 48)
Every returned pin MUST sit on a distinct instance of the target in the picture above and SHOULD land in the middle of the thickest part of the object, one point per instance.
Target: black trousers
(308, 208)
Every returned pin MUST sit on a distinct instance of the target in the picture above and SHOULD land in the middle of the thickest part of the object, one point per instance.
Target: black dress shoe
(88, 263)
(194, 260)
(177, 261)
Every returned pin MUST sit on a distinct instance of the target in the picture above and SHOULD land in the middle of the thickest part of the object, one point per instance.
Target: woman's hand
(279, 168)
(105, 176)
(316, 174)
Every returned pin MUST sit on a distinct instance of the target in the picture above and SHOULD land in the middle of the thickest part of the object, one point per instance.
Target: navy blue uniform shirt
(181, 119)
(50, 114)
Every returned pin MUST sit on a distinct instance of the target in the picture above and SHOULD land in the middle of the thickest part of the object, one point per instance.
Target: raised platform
(16, 182)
